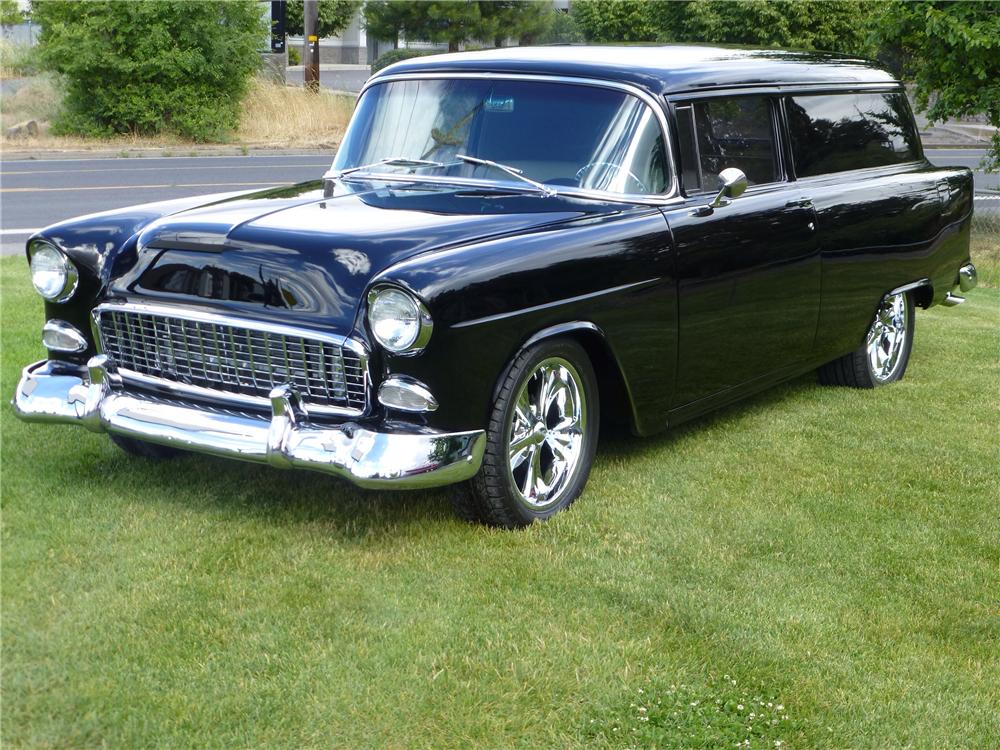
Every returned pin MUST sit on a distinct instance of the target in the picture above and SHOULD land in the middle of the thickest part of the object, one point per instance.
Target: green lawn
(817, 567)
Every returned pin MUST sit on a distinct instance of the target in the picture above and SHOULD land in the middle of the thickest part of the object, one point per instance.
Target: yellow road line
(140, 187)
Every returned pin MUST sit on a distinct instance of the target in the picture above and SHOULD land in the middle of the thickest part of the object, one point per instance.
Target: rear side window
(726, 132)
(837, 132)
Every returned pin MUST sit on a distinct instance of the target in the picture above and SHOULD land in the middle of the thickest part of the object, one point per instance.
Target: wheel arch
(616, 396)
(921, 292)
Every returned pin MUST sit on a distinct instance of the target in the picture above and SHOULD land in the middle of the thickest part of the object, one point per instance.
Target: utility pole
(311, 61)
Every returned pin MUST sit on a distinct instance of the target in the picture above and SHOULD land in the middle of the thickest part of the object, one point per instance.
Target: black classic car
(511, 247)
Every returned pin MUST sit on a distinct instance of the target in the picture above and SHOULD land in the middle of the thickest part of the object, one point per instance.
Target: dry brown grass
(273, 116)
(289, 115)
(985, 248)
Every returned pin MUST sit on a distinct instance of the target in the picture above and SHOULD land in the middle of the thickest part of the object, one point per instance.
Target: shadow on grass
(294, 496)
(619, 443)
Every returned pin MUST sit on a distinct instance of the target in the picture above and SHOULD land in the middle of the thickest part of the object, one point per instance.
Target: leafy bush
(294, 55)
(172, 66)
(395, 55)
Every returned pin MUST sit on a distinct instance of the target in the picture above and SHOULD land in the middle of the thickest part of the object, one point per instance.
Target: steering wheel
(619, 167)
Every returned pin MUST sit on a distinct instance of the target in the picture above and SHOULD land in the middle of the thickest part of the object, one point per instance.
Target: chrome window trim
(671, 196)
(819, 87)
(177, 389)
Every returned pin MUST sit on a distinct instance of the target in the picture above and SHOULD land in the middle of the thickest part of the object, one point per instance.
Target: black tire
(495, 495)
(143, 449)
(858, 369)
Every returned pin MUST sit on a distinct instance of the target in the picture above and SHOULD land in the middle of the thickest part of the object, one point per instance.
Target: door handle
(800, 203)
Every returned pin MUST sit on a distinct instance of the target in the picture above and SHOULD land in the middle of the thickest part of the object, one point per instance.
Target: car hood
(297, 255)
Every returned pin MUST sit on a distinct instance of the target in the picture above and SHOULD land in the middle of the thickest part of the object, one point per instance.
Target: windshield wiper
(512, 171)
(392, 161)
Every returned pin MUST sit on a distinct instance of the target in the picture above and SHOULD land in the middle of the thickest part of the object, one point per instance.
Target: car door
(748, 272)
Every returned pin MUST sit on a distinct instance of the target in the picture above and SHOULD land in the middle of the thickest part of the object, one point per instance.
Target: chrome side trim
(555, 303)
(967, 277)
(54, 392)
(62, 328)
(671, 196)
(177, 388)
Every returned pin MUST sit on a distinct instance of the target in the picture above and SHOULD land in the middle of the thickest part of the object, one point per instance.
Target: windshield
(558, 134)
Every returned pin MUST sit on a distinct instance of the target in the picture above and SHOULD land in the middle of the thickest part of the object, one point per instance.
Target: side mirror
(734, 183)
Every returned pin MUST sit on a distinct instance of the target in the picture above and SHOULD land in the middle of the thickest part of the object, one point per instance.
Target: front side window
(837, 132)
(555, 133)
(716, 134)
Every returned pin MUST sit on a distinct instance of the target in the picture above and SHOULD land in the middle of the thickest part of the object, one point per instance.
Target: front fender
(610, 277)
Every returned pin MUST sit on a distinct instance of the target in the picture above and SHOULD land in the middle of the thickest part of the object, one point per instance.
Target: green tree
(334, 16)
(10, 13)
(458, 22)
(172, 66)
(616, 20)
(834, 25)
(952, 52)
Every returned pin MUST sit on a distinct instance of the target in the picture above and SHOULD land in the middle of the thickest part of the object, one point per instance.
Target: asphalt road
(965, 157)
(34, 194)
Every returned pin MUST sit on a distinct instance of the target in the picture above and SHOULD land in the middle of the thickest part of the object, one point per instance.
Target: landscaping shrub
(173, 66)
(395, 55)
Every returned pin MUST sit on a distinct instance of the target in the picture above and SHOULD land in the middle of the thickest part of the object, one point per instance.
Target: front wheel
(883, 357)
(541, 438)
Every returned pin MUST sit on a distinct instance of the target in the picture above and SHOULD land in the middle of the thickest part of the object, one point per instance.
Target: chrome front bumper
(57, 392)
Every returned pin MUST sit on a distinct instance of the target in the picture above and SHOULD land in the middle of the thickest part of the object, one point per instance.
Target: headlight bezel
(425, 323)
(71, 275)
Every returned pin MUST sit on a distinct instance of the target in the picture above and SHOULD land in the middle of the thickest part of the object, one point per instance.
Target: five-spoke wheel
(883, 356)
(541, 438)
(546, 431)
(887, 337)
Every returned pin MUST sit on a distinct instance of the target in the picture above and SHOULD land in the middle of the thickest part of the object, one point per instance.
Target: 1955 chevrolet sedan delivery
(512, 246)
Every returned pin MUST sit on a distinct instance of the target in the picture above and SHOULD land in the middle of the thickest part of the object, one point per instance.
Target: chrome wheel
(887, 337)
(546, 432)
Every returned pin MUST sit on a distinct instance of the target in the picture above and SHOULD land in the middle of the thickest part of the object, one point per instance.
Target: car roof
(660, 69)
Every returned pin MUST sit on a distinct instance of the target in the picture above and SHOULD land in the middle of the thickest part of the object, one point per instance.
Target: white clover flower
(739, 706)
(779, 707)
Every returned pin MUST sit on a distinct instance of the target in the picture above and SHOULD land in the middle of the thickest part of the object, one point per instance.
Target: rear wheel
(885, 353)
(541, 438)
(143, 449)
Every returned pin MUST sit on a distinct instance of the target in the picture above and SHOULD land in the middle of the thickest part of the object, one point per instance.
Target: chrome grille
(233, 358)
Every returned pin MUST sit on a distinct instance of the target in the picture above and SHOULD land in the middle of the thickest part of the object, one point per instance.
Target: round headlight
(399, 321)
(53, 274)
